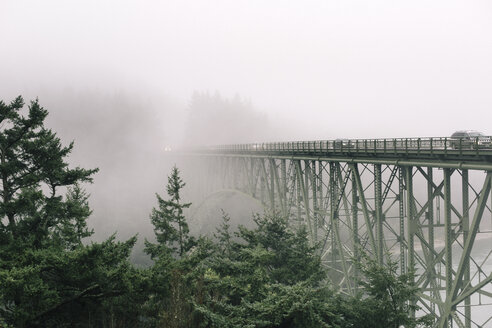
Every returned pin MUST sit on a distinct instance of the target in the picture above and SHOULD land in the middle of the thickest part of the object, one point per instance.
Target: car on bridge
(469, 139)
(343, 144)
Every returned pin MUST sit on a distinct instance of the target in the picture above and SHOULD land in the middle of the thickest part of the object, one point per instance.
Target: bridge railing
(409, 145)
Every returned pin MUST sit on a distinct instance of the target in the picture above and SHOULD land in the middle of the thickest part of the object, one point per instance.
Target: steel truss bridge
(424, 201)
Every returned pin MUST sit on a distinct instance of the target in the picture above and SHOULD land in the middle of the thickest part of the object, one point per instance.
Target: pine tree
(385, 300)
(48, 277)
(268, 277)
(170, 226)
(168, 300)
(32, 170)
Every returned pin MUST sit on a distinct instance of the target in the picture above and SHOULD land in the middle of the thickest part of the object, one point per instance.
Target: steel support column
(401, 211)
(355, 227)
(333, 211)
(314, 187)
(448, 241)
(284, 189)
(412, 225)
(430, 224)
(465, 226)
(378, 205)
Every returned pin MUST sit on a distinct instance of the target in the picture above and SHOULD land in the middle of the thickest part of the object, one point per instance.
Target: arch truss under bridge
(427, 205)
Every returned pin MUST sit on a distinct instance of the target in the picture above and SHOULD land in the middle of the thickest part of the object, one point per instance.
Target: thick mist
(128, 136)
(352, 69)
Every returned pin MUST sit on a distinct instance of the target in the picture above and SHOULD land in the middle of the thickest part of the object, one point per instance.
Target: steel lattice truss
(435, 218)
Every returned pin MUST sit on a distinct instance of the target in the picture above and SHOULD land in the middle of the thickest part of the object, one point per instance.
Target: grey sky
(340, 68)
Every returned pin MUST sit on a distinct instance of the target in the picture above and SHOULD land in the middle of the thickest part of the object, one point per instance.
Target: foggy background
(126, 79)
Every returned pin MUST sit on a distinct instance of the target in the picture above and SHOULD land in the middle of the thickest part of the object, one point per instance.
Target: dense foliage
(268, 276)
(48, 277)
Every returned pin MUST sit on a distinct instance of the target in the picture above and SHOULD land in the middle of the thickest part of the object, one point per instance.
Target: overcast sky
(339, 68)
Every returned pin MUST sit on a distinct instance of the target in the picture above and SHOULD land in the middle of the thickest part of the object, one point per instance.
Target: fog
(422, 67)
(126, 79)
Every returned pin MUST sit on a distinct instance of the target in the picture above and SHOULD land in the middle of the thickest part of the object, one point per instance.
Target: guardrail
(395, 145)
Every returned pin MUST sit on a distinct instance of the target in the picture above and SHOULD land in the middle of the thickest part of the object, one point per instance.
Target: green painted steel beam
(355, 226)
(378, 205)
(437, 163)
(365, 211)
(448, 244)
(314, 192)
(401, 209)
(472, 290)
(465, 226)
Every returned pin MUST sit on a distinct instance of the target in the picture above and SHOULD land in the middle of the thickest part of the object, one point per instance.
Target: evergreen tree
(170, 226)
(269, 277)
(32, 170)
(386, 298)
(169, 295)
(47, 276)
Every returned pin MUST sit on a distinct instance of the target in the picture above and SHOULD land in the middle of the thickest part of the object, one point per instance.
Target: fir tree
(168, 299)
(32, 170)
(48, 277)
(268, 277)
(386, 298)
(170, 226)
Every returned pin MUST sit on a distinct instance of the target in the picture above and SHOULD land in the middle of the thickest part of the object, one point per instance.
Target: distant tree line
(214, 120)
(268, 276)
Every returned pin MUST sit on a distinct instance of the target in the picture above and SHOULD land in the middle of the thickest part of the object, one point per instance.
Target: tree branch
(68, 300)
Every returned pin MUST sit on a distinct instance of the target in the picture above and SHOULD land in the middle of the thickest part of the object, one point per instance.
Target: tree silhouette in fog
(214, 119)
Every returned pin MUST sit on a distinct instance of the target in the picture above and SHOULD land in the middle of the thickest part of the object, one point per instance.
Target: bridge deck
(429, 152)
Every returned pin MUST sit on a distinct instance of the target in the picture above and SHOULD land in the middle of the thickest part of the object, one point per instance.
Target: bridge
(424, 202)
